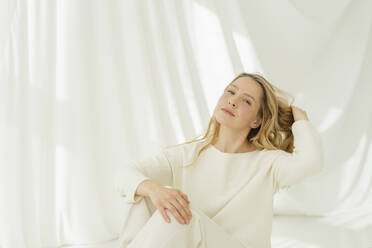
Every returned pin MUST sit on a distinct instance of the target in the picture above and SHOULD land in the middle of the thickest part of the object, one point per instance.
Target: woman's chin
(224, 121)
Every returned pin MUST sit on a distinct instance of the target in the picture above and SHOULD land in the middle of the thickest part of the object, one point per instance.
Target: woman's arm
(306, 159)
(128, 177)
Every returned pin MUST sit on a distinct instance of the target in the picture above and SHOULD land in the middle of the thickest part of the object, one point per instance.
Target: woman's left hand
(298, 114)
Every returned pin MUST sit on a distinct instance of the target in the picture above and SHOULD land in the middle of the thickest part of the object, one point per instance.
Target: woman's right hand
(174, 200)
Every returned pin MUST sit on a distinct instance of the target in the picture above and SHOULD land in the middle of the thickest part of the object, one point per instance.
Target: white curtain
(89, 85)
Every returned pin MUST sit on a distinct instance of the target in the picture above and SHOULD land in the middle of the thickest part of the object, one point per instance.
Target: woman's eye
(230, 91)
(248, 102)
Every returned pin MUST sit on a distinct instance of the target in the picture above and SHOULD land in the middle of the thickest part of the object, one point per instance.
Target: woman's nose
(232, 102)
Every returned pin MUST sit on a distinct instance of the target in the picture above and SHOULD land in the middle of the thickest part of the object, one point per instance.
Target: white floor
(345, 230)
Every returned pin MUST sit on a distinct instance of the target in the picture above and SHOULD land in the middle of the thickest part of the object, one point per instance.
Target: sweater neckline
(233, 154)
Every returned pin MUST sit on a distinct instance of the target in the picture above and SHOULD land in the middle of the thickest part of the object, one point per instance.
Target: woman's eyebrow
(243, 93)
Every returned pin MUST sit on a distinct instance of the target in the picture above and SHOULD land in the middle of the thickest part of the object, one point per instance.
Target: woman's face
(243, 98)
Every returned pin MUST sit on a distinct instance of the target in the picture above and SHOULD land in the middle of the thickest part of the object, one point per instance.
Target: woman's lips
(227, 111)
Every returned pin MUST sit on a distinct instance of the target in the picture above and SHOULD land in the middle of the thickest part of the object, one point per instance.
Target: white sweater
(234, 189)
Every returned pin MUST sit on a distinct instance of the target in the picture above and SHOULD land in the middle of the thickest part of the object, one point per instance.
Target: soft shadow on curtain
(87, 87)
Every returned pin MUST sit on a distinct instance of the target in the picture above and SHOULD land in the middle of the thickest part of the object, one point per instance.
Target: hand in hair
(298, 114)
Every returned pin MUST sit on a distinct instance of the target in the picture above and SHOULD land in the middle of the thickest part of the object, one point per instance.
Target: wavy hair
(275, 111)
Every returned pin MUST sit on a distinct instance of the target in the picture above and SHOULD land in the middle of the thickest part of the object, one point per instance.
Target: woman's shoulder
(270, 155)
(184, 151)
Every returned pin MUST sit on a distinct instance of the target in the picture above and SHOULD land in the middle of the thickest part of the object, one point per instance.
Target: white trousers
(145, 227)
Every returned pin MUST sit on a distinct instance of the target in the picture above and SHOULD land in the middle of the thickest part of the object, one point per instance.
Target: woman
(217, 191)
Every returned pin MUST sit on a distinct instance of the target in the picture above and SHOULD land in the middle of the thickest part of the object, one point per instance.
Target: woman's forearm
(146, 187)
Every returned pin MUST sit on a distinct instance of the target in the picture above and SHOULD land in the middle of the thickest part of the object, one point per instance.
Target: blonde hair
(275, 111)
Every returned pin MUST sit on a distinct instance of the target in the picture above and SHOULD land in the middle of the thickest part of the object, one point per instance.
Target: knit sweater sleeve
(307, 158)
(157, 168)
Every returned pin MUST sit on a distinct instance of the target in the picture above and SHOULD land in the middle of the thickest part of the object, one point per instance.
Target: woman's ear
(257, 123)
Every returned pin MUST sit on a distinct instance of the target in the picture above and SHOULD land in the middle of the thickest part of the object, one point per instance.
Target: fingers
(184, 201)
(164, 214)
(180, 210)
(187, 207)
(185, 197)
(183, 208)
(178, 204)
(175, 213)
(299, 114)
